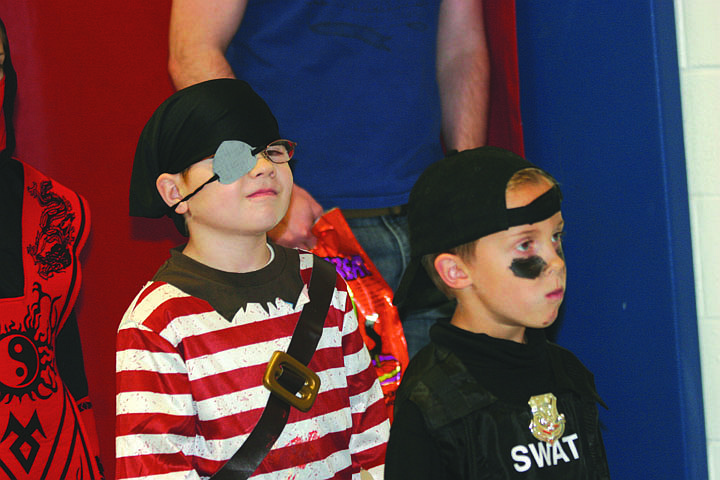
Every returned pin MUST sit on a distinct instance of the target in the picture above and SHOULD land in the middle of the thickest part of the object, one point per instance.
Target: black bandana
(190, 126)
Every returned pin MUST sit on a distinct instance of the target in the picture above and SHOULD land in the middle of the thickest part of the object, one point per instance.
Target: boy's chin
(548, 322)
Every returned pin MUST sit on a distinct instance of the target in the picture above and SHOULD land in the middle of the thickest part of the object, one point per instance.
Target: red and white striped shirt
(189, 389)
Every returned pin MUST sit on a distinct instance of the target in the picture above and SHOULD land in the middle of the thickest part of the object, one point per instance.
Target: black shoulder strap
(302, 347)
(446, 391)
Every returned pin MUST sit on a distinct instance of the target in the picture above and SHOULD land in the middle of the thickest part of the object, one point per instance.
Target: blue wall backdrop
(601, 110)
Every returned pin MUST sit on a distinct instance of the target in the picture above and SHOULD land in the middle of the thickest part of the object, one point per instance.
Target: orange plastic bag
(378, 318)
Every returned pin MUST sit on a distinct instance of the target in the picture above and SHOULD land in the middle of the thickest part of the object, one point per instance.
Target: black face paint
(532, 267)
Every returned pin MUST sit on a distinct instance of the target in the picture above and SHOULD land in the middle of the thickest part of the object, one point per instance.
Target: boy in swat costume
(490, 397)
(194, 349)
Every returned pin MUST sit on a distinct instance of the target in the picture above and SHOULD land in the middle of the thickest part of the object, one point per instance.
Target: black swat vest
(480, 437)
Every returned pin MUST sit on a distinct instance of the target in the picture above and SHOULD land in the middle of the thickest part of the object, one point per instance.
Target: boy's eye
(524, 246)
(557, 237)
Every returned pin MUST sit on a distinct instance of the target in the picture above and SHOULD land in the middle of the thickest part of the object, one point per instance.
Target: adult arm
(200, 32)
(463, 73)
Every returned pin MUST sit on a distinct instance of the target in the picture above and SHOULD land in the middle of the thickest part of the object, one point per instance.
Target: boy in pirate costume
(194, 346)
(490, 397)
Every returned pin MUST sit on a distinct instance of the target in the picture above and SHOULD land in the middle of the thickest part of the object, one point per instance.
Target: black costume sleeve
(70, 359)
(411, 452)
(12, 279)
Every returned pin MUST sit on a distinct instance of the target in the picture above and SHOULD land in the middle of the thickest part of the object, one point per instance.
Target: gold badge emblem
(547, 425)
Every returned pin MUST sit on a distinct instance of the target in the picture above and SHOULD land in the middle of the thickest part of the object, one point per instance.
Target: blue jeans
(385, 240)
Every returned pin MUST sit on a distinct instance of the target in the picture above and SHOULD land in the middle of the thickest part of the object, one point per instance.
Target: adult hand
(295, 229)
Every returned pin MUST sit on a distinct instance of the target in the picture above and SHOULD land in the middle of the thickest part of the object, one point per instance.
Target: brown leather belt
(374, 212)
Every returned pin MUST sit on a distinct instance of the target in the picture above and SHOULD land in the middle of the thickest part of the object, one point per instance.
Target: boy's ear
(452, 271)
(167, 186)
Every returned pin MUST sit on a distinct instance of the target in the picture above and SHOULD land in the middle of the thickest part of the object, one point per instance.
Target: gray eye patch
(233, 159)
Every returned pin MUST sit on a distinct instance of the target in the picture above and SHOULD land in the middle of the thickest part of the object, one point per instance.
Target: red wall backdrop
(90, 73)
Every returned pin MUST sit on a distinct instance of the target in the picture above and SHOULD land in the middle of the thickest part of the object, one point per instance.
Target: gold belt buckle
(304, 398)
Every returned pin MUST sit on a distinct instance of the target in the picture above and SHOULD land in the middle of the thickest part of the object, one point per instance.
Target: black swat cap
(189, 126)
(456, 201)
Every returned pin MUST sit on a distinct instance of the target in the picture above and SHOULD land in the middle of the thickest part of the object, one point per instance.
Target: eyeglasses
(279, 151)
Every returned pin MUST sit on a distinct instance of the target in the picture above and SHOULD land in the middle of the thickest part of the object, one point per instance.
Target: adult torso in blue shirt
(354, 84)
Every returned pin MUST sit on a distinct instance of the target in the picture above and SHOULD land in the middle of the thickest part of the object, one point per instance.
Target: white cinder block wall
(698, 37)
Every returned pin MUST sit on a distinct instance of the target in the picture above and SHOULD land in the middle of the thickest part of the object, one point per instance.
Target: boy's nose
(556, 261)
(263, 166)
